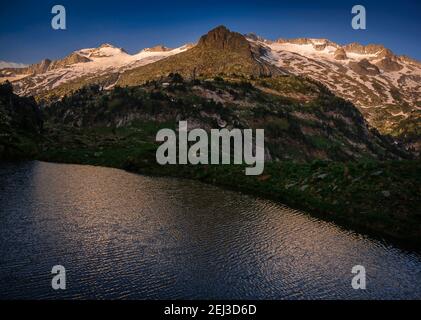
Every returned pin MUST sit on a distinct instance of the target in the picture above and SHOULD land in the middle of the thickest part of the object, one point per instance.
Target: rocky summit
(218, 52)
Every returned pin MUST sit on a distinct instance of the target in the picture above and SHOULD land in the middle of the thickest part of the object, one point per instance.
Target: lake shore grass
(381, 199)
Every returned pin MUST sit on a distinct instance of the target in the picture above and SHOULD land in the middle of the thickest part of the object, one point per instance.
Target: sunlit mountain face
(81, 65)
(384, 86)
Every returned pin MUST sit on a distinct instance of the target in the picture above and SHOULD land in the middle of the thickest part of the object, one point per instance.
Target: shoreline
(234, 180)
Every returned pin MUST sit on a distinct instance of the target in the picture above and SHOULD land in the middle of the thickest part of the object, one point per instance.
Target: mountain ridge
(220, 51)
(385, 87)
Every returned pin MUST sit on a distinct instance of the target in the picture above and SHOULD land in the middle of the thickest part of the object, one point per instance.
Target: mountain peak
(71, 59)
(158, 48)
(107, 45)
(221, 38)
(103, 51)
(254, 37)
(109, 48)
(373, 49)
(220, 29)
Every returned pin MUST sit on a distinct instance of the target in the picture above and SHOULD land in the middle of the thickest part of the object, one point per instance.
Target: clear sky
(26, 34)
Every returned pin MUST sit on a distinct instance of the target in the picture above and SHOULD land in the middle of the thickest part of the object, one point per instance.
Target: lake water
(126, 236)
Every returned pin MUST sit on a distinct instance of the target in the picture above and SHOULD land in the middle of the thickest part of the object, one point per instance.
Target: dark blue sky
(26, 34)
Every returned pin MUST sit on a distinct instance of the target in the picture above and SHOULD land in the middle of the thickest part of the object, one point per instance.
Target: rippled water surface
(121, 235)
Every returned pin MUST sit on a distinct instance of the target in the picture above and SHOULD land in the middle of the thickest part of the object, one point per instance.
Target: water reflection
(122, 235)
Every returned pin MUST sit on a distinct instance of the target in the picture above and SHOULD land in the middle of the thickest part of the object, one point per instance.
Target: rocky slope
(302, 119)
(385, 87)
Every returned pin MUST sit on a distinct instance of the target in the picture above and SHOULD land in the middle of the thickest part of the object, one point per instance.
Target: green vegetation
(290, 84)
(304, 127)
(20, 125)
(380, 198)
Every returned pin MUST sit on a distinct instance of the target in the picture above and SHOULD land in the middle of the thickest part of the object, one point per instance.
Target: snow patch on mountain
(383, 85)
(386, 87)
(103, 60)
